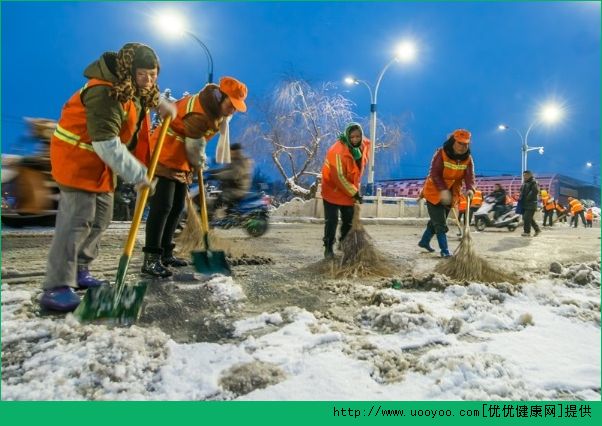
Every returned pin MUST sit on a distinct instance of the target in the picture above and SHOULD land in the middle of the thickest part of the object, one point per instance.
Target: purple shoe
(62, 299)
(85, 280)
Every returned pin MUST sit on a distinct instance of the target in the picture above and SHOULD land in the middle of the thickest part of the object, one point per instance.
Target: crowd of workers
(105, 130)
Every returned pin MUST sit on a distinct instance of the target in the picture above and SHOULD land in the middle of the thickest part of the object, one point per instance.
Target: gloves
(357, 197)
(470, 193)
(195, 152)
(146, 183)
(446, 197)
(166, 108)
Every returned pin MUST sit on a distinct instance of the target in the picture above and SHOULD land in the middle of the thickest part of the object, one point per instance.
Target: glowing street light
(590, 166)
(405, 52)
(174, 25)
(549, 114)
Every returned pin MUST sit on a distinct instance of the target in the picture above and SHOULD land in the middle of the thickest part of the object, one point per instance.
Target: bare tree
(300, 123)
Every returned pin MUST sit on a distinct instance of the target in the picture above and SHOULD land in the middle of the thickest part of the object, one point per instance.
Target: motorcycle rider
(500, 201)
(235, 178)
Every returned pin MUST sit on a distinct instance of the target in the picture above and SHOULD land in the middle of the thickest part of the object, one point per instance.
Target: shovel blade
(211, 262)
(101, 303)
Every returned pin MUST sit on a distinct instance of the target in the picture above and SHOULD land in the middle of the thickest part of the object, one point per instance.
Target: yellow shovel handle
(203, 202)
(143, 195)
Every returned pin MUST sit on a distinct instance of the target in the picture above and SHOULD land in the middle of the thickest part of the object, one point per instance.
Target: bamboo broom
(466, 265)
(360, 258)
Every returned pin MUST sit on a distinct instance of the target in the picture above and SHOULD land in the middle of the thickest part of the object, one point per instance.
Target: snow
(474, 342)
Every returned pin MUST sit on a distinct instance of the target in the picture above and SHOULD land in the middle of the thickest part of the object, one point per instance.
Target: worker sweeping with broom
(100, 126)
(341, 175)
(451, 165)
(199, 117)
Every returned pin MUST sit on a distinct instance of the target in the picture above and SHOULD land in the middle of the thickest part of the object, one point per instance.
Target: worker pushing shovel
(121, 302)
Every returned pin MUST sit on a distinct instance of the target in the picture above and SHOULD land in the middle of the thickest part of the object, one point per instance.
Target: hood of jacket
(104, 68)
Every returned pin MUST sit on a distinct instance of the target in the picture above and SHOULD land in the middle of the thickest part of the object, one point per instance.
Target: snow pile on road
(538, 340)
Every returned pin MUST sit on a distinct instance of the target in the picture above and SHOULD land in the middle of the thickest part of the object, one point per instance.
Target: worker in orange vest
(341, 176)
(462, 202)
(100, 126)
(548, 207)
(198, 118)
(561, 212)
(589, 218)
(577, 211)
(451, 166)
(475, 203)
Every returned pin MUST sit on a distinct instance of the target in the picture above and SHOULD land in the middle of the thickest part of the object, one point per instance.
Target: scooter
(483, 217)
(251, 213)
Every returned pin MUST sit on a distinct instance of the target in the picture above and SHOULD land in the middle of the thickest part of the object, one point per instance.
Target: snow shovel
(122, 302)
(208, 262)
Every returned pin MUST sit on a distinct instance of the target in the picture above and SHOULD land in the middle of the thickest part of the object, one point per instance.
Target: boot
(62, 299)
(152, 263)
(85, 280)
(328, 251)
(442, 240)
(425, 241)
(168, 259)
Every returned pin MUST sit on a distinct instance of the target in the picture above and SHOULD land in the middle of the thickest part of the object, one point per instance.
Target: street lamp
(549, 113)
(591, 165)
(174, 25)
(405, 52)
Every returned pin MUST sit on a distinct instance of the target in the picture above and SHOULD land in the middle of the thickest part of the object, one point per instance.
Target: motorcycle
(251, 213)
(29, 194)
(483, 217)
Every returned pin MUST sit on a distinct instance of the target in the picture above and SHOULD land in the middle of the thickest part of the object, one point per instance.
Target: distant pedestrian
(529, 192)
(451, 166)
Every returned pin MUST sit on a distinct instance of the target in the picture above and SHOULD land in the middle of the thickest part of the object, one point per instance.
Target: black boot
(328, 251)
(152, 263)
(168, 259)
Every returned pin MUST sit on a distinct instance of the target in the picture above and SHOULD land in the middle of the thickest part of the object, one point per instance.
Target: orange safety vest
(576, 206)
(173, 152)
(548, 203)
(589, 215)
(477, 199)
(453, 174)
(462, 203)
(340, 174)
(74, 162)
(560, 209)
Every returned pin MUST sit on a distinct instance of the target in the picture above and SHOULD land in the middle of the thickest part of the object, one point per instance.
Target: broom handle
(457, 220)
(467, 216)
(203, 203)
(143, 195)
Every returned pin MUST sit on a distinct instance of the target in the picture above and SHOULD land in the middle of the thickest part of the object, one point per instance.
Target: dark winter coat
(529, 192)
(235, 178)
(500, 196)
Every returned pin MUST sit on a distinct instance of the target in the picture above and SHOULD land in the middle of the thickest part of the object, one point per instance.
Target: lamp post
(549, 114)
(174, 25)
(405, 53)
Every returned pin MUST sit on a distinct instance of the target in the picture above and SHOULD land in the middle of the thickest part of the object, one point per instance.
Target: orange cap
(236, 91)
(461, 135)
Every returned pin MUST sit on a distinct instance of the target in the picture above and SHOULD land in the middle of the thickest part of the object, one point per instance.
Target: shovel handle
(203, 203)
(143, 195)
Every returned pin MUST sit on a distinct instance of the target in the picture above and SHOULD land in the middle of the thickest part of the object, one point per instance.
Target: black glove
(358, 197)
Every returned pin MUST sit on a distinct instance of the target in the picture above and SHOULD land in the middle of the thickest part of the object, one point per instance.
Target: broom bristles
(360, 258)
(191, 237)
(466, 265)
